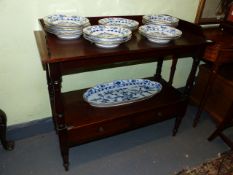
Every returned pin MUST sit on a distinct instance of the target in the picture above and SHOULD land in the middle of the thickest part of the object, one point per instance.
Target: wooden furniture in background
(224, 124)
(208, 12)
(213, 89)
(219, 100)
(218, 53)
(7, 145)
(77, 122)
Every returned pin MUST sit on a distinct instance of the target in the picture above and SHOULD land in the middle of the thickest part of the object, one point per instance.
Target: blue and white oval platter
(121, 92)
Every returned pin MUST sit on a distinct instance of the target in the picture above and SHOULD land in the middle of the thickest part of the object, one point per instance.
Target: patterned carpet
(222, 165)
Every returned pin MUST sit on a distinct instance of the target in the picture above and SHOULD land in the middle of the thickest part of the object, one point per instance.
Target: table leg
(179, 118)
(173, 69)
(159, 69)
(51, 97)
(55, 82)
(7, 145)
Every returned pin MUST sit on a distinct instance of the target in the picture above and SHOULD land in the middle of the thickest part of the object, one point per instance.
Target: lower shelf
(85, 123)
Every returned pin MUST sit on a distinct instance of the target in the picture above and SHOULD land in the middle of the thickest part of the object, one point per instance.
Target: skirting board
(29, 129)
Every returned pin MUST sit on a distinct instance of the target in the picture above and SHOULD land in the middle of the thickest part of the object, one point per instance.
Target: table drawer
(92, 131)
(159, 114)
(101, 129)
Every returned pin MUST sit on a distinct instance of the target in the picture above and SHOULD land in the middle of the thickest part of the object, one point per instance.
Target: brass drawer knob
(101, 129)
(160, 114)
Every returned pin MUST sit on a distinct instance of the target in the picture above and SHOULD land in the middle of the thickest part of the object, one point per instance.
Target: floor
(146, 151)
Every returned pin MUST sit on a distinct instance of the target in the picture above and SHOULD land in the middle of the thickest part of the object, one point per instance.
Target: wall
(23, 89)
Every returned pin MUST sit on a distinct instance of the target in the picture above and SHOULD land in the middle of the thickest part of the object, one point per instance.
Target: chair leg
(7, 145)
(226, 123)
(226, 140)
(215, 134)
(218, 132)
(222, 136)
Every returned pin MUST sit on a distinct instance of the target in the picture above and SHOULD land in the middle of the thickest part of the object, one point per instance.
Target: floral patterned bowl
(64, 26)
(107, 36)
(121, 92)
(123, 22)
(160, 19)
(159, 33)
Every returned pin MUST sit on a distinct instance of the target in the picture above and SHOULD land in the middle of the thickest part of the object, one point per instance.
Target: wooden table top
(53, 49)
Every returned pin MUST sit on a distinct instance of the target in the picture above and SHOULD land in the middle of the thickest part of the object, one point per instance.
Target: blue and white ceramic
(64, 26)
(159, 34)
(107, 36)
(107, 32)
(121, 92)
(106, 43)
(160, 19)
(65, 20)
(123, 22)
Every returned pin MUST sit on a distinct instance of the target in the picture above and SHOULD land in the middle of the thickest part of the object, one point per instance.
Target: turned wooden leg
(178, 119)
(159, 69)
(54, 78)
(65, 157)
(7, 145)
(177, 124)
(64, 148)
(173, 69)
(51, 97)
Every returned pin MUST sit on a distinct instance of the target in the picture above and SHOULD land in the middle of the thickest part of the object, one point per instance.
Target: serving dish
(160, 19)
(61, 20)
(123, 22)
(121, 92)
(107, 36)
(159, 33)
(64, 26)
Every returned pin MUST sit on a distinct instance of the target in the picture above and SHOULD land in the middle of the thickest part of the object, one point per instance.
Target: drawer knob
(101, 129)
(160, 114)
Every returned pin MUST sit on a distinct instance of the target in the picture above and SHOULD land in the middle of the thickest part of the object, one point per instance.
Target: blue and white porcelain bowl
(122, 22)
(160, 19)
(64, 26)
(121, 92)
(159, 33)
(107, 36)
(107, 32)
(106, 43)
(65, 20)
